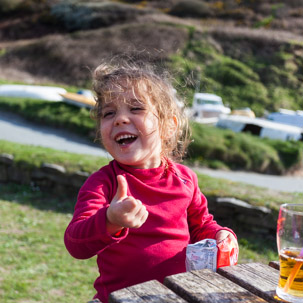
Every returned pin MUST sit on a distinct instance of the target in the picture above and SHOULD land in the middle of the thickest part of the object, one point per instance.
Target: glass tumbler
(290, 249)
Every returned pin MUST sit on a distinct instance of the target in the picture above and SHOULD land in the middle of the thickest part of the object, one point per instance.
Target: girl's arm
(202, 224)
(87, 232)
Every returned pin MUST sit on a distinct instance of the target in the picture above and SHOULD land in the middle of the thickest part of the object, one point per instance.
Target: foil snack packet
(202, 254)
(207, 254)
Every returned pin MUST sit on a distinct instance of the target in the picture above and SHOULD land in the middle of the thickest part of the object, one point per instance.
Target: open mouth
(126, 139)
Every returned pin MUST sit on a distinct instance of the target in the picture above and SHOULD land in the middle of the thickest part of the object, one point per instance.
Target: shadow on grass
(43, 200)
(261, 244)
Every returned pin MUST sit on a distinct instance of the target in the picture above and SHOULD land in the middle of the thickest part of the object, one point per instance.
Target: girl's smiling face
(130, 130)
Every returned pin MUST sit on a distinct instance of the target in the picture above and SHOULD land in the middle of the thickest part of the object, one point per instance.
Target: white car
(208, 106)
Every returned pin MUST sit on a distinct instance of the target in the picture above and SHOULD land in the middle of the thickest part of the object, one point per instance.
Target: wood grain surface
(258, 278)
(207, 286)
(151, 291)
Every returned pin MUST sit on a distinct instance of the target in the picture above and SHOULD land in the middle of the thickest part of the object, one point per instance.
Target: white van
(287, 116)
(261, 127)
(208, 106)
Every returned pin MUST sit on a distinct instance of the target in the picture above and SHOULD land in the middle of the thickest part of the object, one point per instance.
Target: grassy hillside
(246, 70)
(247, 51)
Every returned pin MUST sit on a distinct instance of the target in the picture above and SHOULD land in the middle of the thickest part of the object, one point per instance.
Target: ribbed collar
(148, 175)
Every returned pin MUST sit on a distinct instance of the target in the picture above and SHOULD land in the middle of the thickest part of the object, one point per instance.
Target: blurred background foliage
(210, 146)
(247, 51)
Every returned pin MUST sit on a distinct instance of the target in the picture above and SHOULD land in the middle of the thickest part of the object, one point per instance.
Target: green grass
(31, 156)
(34, 264)
(254, 195)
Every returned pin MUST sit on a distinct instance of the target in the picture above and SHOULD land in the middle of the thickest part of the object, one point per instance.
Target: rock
(242, 206)
(239, 213)
(53, 168)
(78, 178)
(7, 159)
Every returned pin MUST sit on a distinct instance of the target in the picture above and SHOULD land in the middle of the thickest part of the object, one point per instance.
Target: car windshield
(204, 101)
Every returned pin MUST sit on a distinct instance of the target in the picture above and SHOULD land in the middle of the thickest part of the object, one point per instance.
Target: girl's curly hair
(143, 80)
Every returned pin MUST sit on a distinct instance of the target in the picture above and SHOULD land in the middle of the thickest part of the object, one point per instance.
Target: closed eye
(108, 114)
(134, 109)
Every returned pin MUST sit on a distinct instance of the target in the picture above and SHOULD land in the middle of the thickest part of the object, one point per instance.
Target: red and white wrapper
(207, 254)
(227, 253)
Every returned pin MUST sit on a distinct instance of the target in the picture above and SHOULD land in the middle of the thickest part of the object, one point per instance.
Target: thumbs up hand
(124, 211)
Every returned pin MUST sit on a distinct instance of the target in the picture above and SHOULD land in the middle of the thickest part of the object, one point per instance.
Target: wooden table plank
(258, 278)
(151, 291)
(208, 287)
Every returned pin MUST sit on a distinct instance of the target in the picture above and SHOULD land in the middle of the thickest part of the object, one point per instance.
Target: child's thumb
(122, 188)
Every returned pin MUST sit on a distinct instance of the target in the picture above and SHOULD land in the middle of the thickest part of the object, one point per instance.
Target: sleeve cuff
(106, 237)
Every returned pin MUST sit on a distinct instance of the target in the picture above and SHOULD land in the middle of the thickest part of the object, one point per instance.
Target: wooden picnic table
(250, 282)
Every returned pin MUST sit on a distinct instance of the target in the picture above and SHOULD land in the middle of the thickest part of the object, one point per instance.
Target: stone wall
(235, 213)
(228, 211)
(46, 177)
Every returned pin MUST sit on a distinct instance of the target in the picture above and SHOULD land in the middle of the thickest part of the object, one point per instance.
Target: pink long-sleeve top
(178, 215)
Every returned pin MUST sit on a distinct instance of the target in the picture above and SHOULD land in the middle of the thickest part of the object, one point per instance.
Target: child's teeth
(124, 137)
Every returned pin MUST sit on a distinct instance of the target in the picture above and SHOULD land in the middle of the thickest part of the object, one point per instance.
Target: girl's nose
(121, 118)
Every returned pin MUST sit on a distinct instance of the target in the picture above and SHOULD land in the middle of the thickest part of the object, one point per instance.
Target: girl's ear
(172, 127)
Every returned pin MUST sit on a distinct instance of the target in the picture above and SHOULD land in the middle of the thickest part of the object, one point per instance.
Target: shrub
(239, 13)
(235, 150)
(238, 84)
(282, 97)
(253, 95)
(266, 22)
(9, 6)
(231, 72)
(290, 152)
(83, 16)
(283, 78)
(235, 82)
(191, 8)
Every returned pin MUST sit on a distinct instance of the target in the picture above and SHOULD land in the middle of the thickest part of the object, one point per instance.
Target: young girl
(139, 213)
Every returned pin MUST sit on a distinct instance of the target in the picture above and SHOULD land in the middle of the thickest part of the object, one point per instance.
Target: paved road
(15, 129)
(281, 183)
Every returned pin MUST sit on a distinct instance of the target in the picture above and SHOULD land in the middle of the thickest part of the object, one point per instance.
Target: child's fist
(223, 234)
(228, 249)
(124, 211)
